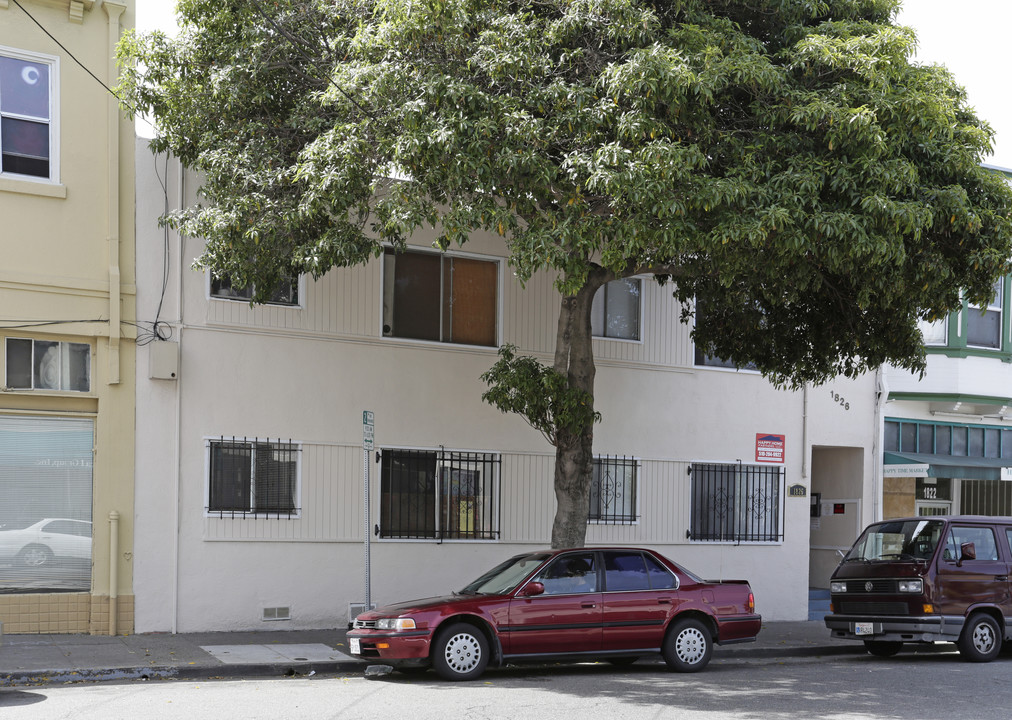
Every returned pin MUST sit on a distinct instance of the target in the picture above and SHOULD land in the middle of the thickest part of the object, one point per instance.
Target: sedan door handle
(663, 601)
(588, 605)
(1001, 578)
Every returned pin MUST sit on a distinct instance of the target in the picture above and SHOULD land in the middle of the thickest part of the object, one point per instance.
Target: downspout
(113, 572)
(114, 12)
(878, 442)
(804, 434)
(177, 471)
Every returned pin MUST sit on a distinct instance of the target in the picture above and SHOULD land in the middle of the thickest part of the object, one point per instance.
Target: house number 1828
(839, 400)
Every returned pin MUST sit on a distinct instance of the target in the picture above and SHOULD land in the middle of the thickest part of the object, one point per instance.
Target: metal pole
(368, 532)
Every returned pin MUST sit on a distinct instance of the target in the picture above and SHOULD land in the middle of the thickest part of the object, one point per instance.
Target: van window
(897, 540)
(981, 537)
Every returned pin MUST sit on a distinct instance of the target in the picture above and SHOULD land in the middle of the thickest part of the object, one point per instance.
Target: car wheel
(981, 639)
(687, 646)
(35, 556)
(882, 649)
(460, 652)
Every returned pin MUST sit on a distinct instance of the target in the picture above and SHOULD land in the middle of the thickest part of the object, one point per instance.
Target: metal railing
(736, 503)
(252, 478)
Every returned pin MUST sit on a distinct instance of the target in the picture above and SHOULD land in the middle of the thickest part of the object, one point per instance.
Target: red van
(923, 580)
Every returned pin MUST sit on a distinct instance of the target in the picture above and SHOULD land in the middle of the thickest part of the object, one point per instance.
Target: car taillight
(750, 603)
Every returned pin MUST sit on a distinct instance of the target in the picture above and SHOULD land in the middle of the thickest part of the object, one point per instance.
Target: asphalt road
(924, 686)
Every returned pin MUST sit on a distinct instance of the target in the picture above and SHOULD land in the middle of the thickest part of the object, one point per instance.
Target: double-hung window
(736, 503)
(440, 297)
(615, 312)
(984, 324)
(705, 359)
(252, 477)
(286, 293)
(47, 365)
(441, 495)
(613, 490)
(27, 133)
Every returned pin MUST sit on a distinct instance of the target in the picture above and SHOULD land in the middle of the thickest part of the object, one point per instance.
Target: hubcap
(690, 645)
(462, 653)
(983, 638)
(35, 557)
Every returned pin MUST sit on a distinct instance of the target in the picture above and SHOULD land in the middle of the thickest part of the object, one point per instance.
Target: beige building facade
(67, 321)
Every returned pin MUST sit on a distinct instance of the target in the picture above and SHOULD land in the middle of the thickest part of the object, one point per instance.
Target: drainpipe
(878, 442)
(113, 571)
(113, 121)
(804, 434)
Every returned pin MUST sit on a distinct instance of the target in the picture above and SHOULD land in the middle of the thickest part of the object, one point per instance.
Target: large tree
(782, 163)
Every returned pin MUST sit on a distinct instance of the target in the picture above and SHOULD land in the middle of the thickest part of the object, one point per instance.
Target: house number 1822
(837, 398)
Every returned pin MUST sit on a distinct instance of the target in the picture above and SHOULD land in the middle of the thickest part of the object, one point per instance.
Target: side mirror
(967, 551)
(531, 589)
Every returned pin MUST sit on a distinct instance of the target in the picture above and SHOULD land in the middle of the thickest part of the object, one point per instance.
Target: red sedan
(613, 604)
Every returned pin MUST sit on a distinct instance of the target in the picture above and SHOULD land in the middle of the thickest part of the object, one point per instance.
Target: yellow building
(67, 320)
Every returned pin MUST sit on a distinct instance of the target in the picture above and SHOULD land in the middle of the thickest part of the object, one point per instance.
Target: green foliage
(782, 161)
(539, 394)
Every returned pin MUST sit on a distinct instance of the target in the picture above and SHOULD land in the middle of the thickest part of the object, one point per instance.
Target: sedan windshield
(897, 540)
(505, 576)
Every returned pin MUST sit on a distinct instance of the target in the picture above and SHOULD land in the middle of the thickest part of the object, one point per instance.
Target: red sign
(769, 448)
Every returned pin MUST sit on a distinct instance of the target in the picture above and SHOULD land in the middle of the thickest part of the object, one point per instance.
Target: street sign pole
(368, 430)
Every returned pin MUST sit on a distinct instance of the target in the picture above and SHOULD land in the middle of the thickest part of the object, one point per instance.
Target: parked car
(926, 579)
(46, 541)
(613, 604)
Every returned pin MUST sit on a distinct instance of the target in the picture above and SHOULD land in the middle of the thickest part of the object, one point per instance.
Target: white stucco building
(250, 465)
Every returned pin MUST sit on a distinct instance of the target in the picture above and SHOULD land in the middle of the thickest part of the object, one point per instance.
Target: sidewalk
(37, 659)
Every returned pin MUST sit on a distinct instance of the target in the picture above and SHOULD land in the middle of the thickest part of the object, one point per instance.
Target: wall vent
(355, 608)
(277, 613)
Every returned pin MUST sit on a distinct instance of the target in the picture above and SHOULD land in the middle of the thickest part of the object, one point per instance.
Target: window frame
(956, 324)
(739, 537)
(492, 459)
(639, 317)
(53, 122)
(982, 311)
(64, 346)
(707, 360)
(298, 287)
(296, 447)
(603, 518)
(384, 299)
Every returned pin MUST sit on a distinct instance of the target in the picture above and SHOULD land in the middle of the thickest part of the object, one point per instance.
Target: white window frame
(384, 299)
(300, 290)
(992, 307)
(639, 320)
(719, 368)
(53, 61)
(251, 514)
(64, 346)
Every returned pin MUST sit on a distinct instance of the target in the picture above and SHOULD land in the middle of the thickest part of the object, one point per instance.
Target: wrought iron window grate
(443, 495)
(613, 490)
(736, 503)
(252, 478)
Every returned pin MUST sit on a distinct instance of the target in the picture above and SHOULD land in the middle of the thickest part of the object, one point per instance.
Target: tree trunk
(574, 454)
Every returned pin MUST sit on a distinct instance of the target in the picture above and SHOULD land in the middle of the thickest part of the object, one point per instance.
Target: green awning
(944, 466)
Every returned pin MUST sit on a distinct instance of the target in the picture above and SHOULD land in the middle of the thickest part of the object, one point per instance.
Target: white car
(45, 542)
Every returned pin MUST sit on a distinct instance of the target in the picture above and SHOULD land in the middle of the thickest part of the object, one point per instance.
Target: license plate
(355, 646)
(864, 628)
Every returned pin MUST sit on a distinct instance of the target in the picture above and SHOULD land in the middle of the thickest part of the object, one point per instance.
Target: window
(613, 490)
(628, 570)
(257, 477)
(736, 503)
(441, 495)
(570, 573)
(982, 538)
(616, 310)
(983, 324)
(48, 365)
(704, 359)
(439, 297)
(286, 293)
(26, 124)
(934, 333)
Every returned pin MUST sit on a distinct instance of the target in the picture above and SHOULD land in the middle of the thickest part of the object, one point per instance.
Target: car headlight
(911, 586)
(395, 624)
(837, 587)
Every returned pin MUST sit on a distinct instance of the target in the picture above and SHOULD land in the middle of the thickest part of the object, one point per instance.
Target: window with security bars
(441, 495)
(252, 477)
(736, 503)
(613, 490)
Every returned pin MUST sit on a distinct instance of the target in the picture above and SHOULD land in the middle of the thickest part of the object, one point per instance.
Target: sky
(968, 37)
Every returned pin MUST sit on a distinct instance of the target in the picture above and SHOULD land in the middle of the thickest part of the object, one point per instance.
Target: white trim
(53, 61)
(640, 319)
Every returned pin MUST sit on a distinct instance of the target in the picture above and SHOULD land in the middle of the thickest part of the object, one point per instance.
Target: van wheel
(882, 649)
(981, 639)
